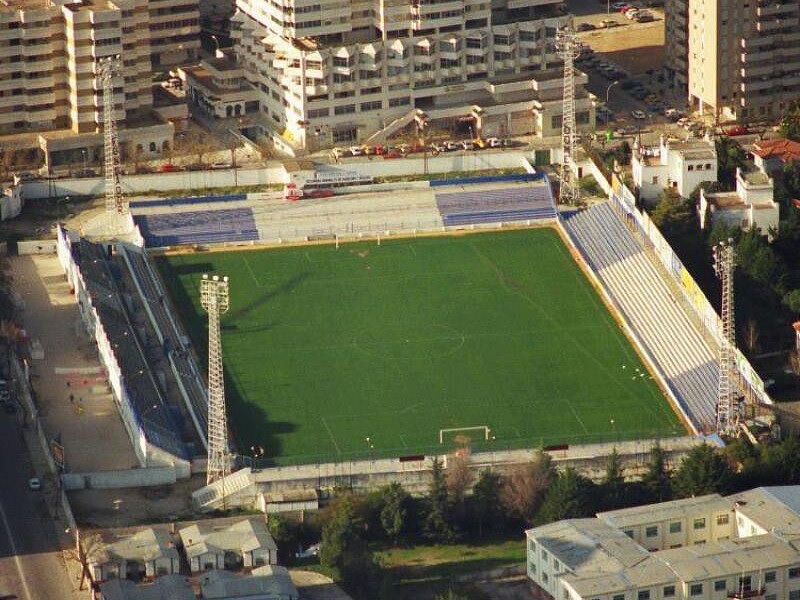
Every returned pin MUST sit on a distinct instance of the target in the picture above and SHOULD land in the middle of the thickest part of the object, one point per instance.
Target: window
(722, 519)
(545, 556)
(619, 597)
(794, 572)
(696, 589)
(699, 523)
(669, 591)
(152, 146)
(651, 531)
(531, 546)
(771, 597)
(339, 61)
(690, 168)
(671, 525)
(532, 568)
(374, 105)
(643, 595)
(677, 525)
(629, 533)
(404, 101)
(770, 577)
(345, 110)
(794, 595)
(708, 168)
(556, 565)
(545, 578)
(719, 585)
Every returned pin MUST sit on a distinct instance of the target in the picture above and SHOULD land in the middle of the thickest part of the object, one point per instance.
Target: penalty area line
(330, 433)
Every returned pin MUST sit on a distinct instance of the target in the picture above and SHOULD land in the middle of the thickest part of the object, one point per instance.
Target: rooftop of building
(25, 4)
(166, 587)
(589, 545)
(774, 508)
(665, 511)
(756, 177)
(268, 581)
(243, 536)
(779, 148)
(144, 545)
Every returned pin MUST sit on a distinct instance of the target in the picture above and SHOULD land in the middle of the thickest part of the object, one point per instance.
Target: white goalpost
(485, 428)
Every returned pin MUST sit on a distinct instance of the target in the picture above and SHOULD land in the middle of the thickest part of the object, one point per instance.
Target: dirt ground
(510, 588)
(135, 506)
(635, 47)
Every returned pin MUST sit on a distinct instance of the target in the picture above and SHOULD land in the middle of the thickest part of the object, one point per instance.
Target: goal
(485, 428)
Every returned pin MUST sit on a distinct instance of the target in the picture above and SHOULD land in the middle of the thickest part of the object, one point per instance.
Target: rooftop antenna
(115, 201)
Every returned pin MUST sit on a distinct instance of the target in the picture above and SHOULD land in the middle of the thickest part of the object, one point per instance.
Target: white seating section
(688, 364)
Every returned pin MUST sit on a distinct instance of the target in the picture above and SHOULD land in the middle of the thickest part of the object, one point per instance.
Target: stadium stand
(180, 358)
(519, 203)
(152, 413)
(690, 367)
(198, 227)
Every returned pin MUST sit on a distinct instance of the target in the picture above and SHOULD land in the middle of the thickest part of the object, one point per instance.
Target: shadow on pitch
(284, 288)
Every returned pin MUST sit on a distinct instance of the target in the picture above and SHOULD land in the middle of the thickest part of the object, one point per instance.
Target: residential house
(143, 555)
(244, 544)
(771, 155)
(264, 583)
(677, 165)
(751, 205)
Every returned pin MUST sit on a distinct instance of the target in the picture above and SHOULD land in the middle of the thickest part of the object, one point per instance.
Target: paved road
(31, 566)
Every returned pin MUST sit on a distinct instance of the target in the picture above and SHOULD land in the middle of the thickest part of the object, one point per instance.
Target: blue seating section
(488, 179)
(206, 227)
(521, 203)
(187, 201)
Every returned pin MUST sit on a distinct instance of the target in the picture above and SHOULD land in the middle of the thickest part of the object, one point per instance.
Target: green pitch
(371, 350)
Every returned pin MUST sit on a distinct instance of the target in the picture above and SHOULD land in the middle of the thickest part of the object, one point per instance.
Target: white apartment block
(49, 88)
(678, 165)
(742, 58)
(745, 546)
(329, 72)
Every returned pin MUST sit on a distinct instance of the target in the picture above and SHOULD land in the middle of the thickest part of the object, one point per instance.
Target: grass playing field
(370, 350)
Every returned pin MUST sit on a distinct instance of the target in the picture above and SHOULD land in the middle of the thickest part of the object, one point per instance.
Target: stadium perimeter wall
(245, 487)
(624, 200)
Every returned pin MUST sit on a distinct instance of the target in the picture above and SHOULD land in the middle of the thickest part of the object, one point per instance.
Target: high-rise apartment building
(742, 56)
(48, 67)
(330, 72)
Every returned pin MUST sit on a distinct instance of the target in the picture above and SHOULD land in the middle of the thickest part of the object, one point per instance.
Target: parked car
(638, 114)
(340, 152)
(645, 17)
(586, 27)
(168, 168)
(619, 5)
(356, 151)
(671, 113)
(309, 552)
(220, 165)
(468, 145)
(493, 142)
(736, 130)
(34, 484)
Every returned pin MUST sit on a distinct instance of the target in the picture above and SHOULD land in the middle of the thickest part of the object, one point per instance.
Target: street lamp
(83, 153)
(608, 91)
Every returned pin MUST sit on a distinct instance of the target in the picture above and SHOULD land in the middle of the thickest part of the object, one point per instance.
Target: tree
(703, 471)
(198, 145)
(395, 510)
(458, 478)
(523, 490)
(792, 300)
(87, 548)
(437, 525)
(730, 156)
(656, 480)
(486, 499)
(613, 484)
(340, 535)
(790, 123)
(566, 498)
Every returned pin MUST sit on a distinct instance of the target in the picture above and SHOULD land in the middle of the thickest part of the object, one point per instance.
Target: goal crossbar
(484, 428)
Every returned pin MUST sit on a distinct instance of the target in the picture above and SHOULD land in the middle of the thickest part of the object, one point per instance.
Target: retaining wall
(106, 480)
(182, 180)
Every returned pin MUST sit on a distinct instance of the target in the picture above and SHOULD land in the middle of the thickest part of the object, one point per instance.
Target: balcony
(747, 594)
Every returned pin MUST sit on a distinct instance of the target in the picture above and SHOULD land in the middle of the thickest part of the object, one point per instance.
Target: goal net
(452, 432)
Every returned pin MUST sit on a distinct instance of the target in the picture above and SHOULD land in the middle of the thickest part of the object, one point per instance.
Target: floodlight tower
(727, 411)
(568, 47)
(215, 299)
(107, 68)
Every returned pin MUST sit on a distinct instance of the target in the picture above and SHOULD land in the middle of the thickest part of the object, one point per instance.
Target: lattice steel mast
(568, 48)
(215, 299)
(727, 411)
(115, 200)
